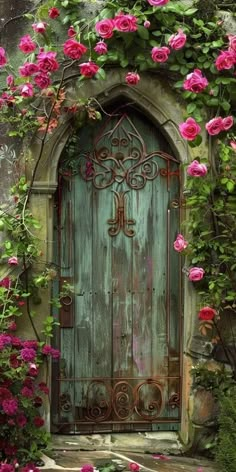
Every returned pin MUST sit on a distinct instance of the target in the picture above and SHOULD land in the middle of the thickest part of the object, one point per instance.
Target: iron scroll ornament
(119, 155)
(120, 222)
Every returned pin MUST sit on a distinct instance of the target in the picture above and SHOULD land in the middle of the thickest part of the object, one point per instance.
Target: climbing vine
(192, 50)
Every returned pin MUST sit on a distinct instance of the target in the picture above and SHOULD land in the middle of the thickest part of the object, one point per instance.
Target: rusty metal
(118, 400)
(120, 155)
(120, 222)
(174, 401)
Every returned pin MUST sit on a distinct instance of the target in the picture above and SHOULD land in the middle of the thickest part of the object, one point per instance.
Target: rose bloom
(227, 122)
(160, 54)
(158, 3)
(189, 129)
(27, 392)
(180, 243)
(178, 40)
(33, 370)
(125, 23)
(10, 80)
(27, 354)
(134, 467)
(100, 48)
(233, 145)
(55, 353)
(195, 169)
(6, 282)
(53, 13)
(146, 24)
(87, 468)
(30, 467)
(43, 387)
(225, 60)
(39, 27)
(26, 90)
(38, 402)
(31, 344)
(207, 313)
(88, 69)
(214, 126)
(232, 42)
(47, 61)
(7, 468)
(195, 82)
(73, 49)
(21, 420)
(105, 28)
(13, 260)
(132, 78)
(28, 69)
(10, 406)
(38, 421)
(42, 80)
(3, 59)
(196, 273)
(26, 44)
(71, 32)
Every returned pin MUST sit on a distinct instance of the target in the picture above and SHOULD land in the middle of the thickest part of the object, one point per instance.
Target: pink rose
(146, 24)
(214, 126)
(125, 23)
(232, 42)
(39, 27)
(3, 59)
(13, 260)
(73, 49)
(189, 129)
(195, 274)
(53, 13)
(42, 80)
(180, 243)
(195, 169)
(28, 69)
(134, 467)
(158, 3)
(26, 44)
(132, 78)
(100, 48)
(178, 40)
(26, 90)
(233, 145)
(87, 468)
(88, 69)
(225, 60)
(160, 54)
(227, 122)
(10, 80)
(46, 61)
(195, 82)
(105, 28)
(71, 32)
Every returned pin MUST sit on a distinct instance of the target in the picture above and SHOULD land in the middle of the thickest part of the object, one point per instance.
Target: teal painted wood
(127, 299)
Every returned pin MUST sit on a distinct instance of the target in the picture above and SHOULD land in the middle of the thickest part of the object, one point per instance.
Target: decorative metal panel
(121, 360)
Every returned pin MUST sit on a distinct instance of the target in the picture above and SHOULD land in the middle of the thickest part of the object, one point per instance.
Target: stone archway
(159, 104)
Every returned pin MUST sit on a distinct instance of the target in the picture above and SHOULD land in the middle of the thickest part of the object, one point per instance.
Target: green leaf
(106, 13)
(190, 12)
(157, 33)
(225, 105)
(191, 107)
(143, 32)
(230, 185)
(101, 74)
(175, 67)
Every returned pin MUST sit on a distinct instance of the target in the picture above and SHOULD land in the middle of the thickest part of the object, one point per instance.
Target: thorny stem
(27, 299)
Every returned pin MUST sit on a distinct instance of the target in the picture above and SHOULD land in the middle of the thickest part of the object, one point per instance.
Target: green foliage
(225, 449)
(217, 381)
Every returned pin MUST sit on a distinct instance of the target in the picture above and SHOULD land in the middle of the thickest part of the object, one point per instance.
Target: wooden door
(120, 335)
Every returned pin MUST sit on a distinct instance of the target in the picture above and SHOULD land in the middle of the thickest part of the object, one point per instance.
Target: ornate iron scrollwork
(120, 222)
(120, 155)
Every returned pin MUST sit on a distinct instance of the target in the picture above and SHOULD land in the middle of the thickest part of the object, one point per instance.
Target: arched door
(120, 334)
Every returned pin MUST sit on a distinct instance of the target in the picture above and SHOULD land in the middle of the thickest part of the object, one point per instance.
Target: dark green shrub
(226, 447)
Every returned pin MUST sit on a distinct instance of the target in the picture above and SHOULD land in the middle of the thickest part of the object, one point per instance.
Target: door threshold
(165, 442)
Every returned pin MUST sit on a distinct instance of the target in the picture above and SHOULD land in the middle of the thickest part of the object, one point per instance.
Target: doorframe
(158, 102)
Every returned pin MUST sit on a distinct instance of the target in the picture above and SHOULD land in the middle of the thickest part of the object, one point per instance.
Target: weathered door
(120, 332)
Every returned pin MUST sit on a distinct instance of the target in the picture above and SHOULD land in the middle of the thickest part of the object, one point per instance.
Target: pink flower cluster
(227, 59)
(180, 243)
(218, 124)
(124, 23)
(195, 169)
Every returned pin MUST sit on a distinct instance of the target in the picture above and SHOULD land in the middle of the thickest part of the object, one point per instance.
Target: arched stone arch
(153, 97)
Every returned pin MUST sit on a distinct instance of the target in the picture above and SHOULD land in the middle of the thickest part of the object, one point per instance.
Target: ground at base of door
(72, 461)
